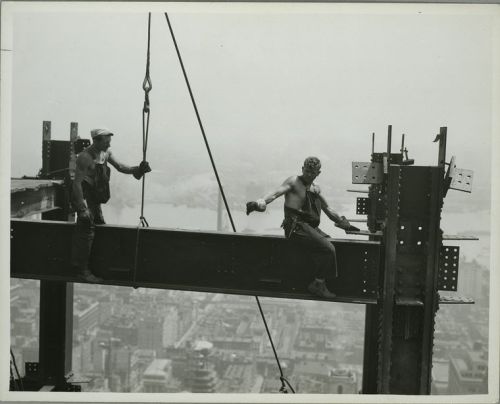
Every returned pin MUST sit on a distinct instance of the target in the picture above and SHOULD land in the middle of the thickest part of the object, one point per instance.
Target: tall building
(150, 333)
(170, 327)
(200, 375)
(440, 376)
(470, 281)
(157, 378)
(468, 372)
(342, 381)
(85, 316)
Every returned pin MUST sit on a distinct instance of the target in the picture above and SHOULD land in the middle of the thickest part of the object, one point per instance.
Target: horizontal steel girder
(200, 261)
(29, 197)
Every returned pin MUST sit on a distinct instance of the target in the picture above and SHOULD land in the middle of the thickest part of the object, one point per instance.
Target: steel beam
(200, 261)
(29, 197)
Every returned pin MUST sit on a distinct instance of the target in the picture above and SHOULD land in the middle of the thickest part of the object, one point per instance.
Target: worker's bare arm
(332, 215)
(287, 186)
(123, 168)
(83, 164)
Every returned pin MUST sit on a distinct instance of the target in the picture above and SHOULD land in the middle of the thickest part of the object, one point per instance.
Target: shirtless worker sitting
(90, 190)
(303, 205)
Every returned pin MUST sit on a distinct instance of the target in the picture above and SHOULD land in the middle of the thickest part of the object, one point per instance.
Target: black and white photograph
(249, 202)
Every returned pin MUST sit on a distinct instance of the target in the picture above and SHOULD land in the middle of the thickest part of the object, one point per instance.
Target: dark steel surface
(371, 351)
(57, 153)
(388, 292)
(56, 330)
(362, 206)
(56, 326)
(203, 261)
(432, 268)
(33, 200)
(448, 268)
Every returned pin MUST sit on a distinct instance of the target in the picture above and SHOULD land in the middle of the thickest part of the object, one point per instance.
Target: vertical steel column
(46, 133)
(72, 157)
(431, 304)
(370, 354)
(56, 305)
(56, 331)
(388, 297)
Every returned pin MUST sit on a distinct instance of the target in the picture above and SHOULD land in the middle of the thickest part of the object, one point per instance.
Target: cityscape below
(150, 340)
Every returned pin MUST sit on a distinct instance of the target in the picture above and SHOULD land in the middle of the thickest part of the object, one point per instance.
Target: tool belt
(293, 219)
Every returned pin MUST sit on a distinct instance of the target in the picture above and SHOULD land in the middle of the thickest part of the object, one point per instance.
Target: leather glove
(141, 169)
(344, 224)
(259, 205)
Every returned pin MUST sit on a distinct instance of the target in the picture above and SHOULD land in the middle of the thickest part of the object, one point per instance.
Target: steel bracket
(448, 268)
(367, 172)
(362, 206)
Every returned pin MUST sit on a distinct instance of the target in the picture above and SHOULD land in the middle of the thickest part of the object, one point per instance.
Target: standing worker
(303, 205)
(90, 189)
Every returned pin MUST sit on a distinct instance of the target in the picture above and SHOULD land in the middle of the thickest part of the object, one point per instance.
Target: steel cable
(13, 359)
(284, 381)
(147, 86)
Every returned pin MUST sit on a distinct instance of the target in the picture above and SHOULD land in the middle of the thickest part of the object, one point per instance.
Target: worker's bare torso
(296, 195)
(87, 161)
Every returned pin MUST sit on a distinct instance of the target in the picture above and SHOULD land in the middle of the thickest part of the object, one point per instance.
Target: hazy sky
(273, 85)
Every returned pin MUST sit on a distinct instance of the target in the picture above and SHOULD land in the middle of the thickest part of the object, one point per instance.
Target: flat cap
(100, 132)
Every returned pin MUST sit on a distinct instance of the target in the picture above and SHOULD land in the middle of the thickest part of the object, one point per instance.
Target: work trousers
(317, 243)
(83, 236)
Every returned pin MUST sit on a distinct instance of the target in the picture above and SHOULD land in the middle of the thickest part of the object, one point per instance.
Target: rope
(284, 381)
(147, 86)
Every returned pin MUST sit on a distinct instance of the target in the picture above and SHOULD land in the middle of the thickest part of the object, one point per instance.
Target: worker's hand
(344, 224)
(141, 169)
(259, 205)
(83, 216)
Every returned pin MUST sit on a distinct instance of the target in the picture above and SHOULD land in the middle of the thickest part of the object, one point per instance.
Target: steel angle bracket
(448, 268)
(462, 180)
(458, 178)
(362, 206)
(367, 172)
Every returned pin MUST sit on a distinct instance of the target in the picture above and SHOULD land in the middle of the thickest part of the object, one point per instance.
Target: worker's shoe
(318, 288)
(89, 277)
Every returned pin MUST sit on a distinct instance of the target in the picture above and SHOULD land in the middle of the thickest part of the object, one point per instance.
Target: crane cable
(284, 381)
(18, 383)
(147, 86)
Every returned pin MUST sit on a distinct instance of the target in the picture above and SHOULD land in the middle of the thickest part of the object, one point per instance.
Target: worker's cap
(100, 132)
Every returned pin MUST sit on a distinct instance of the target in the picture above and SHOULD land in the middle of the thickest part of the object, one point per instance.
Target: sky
(273, 85)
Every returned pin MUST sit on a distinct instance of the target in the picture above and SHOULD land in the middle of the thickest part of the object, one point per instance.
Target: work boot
(318, 288)
(89, 277)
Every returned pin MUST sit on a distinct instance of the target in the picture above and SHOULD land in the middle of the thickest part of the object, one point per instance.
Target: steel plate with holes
(366, 173)
(448, 268)
(462, 180)
(362, 206)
